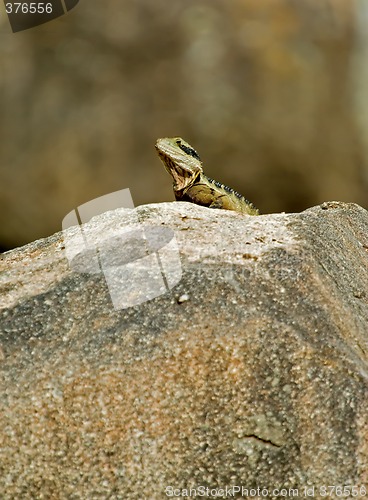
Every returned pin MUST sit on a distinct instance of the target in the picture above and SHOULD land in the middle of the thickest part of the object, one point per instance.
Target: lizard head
(180, 160)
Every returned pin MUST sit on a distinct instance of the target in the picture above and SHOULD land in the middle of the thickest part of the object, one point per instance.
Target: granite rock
(250, 369)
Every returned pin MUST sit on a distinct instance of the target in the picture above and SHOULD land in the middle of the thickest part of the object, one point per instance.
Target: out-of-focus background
(272, 94)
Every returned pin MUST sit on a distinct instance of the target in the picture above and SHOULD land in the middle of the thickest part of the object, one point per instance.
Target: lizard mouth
(181, 161)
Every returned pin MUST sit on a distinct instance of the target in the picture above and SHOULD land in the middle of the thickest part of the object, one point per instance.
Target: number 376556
(28, 8)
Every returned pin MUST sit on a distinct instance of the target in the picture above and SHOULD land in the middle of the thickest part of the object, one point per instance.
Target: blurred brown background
(272, 94)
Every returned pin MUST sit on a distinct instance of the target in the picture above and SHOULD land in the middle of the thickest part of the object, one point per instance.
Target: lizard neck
(180, 193)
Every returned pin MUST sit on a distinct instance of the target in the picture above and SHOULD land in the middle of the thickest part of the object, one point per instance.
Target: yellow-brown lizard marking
(183, 163)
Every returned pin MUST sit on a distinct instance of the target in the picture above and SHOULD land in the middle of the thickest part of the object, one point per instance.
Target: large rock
(251, 371)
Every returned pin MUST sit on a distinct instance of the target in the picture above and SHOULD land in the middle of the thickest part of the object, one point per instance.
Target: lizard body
(183, 163)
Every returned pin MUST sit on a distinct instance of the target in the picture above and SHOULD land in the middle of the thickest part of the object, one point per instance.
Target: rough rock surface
(251, 371)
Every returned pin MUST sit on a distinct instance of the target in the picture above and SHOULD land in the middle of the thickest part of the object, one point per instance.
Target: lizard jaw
(180, 161)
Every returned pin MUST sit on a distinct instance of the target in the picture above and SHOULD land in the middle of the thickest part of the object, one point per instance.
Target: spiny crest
(226, 188)
(229, 190)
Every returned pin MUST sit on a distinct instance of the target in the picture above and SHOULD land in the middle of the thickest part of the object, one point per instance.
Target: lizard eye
(188, 150)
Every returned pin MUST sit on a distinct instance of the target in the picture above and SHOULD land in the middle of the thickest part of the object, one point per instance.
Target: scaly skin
(182, 162)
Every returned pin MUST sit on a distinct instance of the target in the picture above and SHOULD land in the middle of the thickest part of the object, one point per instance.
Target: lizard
(183, 163)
